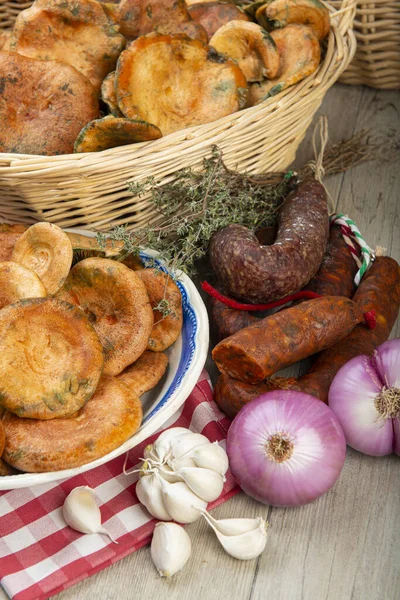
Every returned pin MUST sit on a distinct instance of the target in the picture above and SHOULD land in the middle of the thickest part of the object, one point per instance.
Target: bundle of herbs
(198, 203)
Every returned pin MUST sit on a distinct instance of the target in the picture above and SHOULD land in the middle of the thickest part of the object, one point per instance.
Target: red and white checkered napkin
(40, 556)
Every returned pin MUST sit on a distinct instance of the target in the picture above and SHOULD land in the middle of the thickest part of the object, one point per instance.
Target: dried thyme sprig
(196, 204)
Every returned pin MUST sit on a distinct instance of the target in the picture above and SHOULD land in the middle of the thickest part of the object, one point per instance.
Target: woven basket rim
(340, 50)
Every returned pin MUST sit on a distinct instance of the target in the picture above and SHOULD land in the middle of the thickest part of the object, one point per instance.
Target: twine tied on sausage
(353, 238)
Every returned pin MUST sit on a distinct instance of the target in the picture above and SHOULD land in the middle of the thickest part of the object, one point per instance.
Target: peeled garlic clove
(211, 456)
(162, 445)
(243, 546)
(80, 511)
(170, 548)
(234, 526)
(150, 494)
(207, 484)
(181, 503)
(185, 443)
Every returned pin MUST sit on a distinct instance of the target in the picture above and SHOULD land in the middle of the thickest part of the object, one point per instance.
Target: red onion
(365, 396)
(286, 448)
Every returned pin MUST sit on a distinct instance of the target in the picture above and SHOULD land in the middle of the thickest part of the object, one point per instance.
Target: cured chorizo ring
(231, 395)
(256, 273)
(335, 277)
(380, 291)
(226, 321)
(258, 351)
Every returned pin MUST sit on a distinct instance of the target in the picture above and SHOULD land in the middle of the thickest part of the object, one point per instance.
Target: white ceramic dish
(186, 360)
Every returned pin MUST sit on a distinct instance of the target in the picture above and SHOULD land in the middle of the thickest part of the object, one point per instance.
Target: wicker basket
(377, 60)
(91, 190)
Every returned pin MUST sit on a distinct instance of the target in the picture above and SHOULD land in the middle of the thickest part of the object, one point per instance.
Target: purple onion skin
(319, 448)
(352, 397)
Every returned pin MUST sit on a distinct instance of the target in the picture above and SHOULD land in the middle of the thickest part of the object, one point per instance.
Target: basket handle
(346, 14)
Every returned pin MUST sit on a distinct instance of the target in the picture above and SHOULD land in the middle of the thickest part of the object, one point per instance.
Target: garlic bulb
(181, 472)
(150, 494)
(80, 511)
(170, 548)
(207, 484)
(245, 545)
(181, 503)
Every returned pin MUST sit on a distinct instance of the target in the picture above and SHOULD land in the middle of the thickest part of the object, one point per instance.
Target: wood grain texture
(344, 546)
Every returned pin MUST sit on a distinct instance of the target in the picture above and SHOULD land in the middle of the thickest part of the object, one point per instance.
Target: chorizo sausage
(226, 321)
(256, 273)
(231, 395)
(380, 291)
(335, 277)
(262, 349)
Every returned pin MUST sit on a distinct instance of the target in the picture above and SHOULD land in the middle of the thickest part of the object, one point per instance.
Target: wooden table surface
(346, 545)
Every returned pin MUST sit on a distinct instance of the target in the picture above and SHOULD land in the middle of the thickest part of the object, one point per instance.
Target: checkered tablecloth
(40, 556)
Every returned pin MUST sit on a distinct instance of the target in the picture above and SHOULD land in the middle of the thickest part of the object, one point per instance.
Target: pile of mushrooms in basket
(84, 76)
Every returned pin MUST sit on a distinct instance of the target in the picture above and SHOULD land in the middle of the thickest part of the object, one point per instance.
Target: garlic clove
(211, 456)
(185, 461)
(244, 546)
(234, 526)
(182, 504)
(169, 474)
(205, 483)
(150, 494)
(162, 445)
(183, 444)
(80, 511)
(170, 548)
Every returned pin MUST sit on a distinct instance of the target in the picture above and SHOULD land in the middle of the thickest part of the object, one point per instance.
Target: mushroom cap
(300, 54)
(251, 46)
(108, 95)
(145, 373)
(45, 249)
(2, 438)
(116, 303)
(79, 33)
(140, 17)
(45, 104)
(106, 421)
(176, 82)
(111, 132)
(213, 15)
(302, 12)
(160, 287)
(18, 282)
(50, 358)
(9, 234)
(192, 29)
